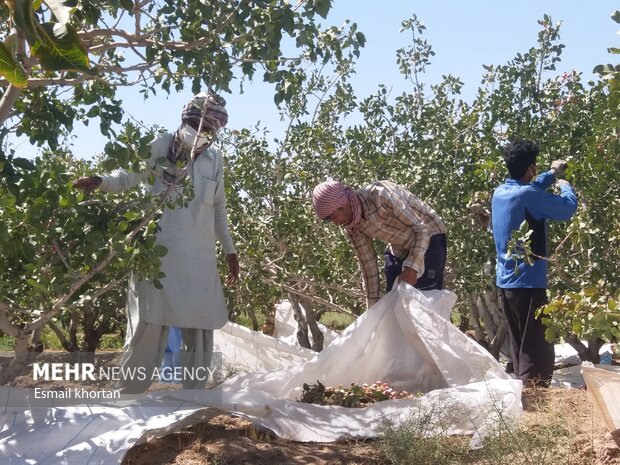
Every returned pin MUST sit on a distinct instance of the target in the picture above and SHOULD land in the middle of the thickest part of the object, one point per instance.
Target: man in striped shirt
(414, 233)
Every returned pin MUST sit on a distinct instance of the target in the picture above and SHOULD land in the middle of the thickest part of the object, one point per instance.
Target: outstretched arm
(118, 181)
(87, 184)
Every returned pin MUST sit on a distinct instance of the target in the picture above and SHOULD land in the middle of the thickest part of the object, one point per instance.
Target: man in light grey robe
(192, 296)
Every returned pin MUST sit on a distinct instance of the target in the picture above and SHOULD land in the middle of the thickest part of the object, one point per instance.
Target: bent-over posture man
(414, 233)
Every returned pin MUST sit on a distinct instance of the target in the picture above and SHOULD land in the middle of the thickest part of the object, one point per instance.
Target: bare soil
(234, 441)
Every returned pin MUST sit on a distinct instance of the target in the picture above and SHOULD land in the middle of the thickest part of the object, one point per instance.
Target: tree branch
(102, 290)
(84, 278)
(8, 101)
(313, 298)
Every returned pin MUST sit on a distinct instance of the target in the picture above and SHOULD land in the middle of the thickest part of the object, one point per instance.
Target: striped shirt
(395, 216)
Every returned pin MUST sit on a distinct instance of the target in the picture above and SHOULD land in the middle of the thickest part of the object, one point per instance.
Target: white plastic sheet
(245, 350)
(403, 340)
(604, 386)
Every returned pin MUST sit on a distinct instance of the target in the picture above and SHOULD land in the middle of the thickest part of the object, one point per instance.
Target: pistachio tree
(448, 152)
(66, 254)
(585, 306)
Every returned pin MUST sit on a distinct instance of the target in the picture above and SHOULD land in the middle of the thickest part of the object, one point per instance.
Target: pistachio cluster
(353, 396)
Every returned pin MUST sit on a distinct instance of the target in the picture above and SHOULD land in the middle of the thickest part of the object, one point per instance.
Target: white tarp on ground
(604, 386)
(250, 351)
(403, 340)
(572, 377)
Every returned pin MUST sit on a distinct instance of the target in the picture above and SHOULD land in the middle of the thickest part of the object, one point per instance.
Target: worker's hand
(561, 182)
(408, 275)
(558, 168)
(233, 269)
(87, 184)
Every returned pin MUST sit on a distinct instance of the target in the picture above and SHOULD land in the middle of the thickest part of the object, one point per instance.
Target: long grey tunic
(192, 295)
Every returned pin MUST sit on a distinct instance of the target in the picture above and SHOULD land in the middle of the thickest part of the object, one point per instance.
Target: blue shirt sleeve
(544, 180)
(548, 206)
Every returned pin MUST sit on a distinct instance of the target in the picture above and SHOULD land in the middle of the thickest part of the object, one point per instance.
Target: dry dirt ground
(231, 440)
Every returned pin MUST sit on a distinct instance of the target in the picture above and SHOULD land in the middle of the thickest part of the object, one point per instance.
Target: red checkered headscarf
(329, 196)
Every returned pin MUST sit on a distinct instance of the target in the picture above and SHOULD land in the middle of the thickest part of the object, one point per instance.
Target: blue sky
(464, 36)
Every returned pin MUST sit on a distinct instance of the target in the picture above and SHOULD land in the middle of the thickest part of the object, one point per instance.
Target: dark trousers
(532, 356)
(434, 265)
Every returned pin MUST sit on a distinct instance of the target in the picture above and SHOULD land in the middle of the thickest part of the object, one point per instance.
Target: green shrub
(111, 342)
(336, 321)
(423, 438)
(6, 343)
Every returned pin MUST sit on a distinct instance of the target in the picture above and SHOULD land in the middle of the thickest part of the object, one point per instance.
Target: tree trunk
(488, 323)
(589, 353)
(23, 357)
(73, 330)
(8, 101)
(91, 335)
(252, 315)
(35, 341)
(498, 340)
(302, 324)
(474, 321)
(313, 324)
(64, 341)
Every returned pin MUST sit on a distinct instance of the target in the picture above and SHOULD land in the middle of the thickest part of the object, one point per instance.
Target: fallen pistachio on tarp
(353, 396)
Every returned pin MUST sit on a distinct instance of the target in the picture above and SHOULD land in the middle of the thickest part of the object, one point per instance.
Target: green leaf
(616, 16)
(60, 48)
(11, 69)
(550, 334)
(322, 7)
(287, 20)
(24, 164)
(127, 4)
(64, 202)
(36, 285)
(30, 267)
(160, 250)
(598, 320)
(604, 69)
(589, 291)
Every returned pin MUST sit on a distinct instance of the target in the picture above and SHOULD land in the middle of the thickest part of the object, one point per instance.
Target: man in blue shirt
(522, 287)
